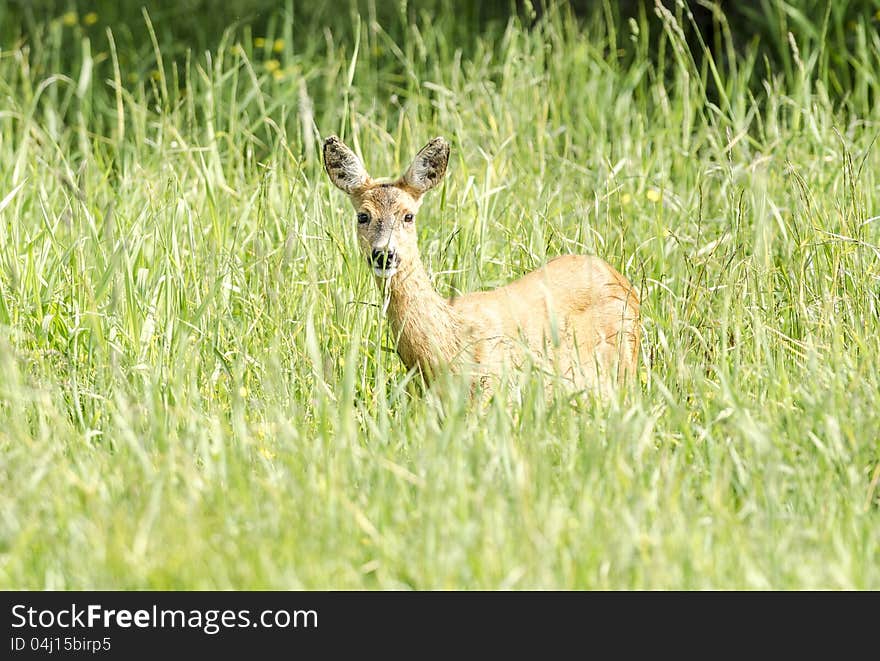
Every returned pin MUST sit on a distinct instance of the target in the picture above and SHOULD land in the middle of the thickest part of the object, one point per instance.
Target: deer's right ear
(343, 167)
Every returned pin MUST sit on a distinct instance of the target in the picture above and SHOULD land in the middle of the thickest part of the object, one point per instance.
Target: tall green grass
(196, 386)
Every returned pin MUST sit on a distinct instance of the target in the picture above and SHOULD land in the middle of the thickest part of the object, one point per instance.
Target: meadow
(197, 386)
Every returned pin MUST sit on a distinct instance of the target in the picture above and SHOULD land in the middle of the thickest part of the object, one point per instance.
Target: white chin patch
(384, 273)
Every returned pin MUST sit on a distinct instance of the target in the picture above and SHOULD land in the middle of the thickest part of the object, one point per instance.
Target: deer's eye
(363, 218)
(408, 218)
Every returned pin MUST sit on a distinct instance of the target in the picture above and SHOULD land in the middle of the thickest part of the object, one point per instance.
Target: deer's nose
(385, 259)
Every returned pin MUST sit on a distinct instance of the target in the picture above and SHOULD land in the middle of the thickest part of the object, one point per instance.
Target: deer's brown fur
(576, 315)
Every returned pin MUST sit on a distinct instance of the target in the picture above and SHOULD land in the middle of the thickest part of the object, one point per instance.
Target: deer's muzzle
(384, 262)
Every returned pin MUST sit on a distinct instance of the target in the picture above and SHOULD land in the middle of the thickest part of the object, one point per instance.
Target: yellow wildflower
(653, 195)
(259, 42)
(278, 45)
(272, 65)
(625, 199)
(70, 18)
(90, 19)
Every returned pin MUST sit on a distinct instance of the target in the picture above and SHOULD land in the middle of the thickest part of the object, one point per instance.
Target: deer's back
(576, 311)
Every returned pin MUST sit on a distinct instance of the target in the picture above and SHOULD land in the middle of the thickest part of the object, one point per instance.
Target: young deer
(576, 315)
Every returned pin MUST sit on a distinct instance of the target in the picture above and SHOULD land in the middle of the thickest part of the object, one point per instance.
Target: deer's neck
(425, 327)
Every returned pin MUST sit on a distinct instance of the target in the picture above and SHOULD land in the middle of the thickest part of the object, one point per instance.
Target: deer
(576, 315)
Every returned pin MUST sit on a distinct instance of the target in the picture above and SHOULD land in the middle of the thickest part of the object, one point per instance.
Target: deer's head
(386, 210)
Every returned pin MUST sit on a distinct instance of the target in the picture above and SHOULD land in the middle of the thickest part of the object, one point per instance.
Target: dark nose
(384, 259)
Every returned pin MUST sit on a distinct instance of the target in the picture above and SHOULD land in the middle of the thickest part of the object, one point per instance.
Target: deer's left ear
(428, 167)
(344, 167)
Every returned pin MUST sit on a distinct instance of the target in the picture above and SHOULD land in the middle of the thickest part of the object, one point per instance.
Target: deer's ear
(428, 167)
(343, 167)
